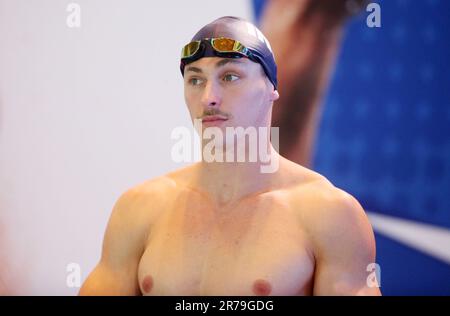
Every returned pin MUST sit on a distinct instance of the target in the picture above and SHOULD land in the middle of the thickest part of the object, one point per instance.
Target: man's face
(226, 92)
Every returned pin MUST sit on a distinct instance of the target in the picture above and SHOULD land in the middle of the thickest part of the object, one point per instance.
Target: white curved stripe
(432, 240)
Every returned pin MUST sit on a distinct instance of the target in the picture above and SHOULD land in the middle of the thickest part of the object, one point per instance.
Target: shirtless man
(226, 228)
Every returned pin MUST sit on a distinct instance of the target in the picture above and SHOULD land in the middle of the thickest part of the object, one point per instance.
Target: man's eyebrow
(194, 69)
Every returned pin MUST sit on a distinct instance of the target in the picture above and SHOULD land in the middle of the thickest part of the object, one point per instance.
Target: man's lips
(212, 118)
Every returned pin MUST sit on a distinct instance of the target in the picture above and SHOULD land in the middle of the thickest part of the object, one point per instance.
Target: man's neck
(227, 182)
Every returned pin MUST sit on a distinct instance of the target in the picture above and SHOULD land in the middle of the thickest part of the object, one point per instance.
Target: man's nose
(211, 95)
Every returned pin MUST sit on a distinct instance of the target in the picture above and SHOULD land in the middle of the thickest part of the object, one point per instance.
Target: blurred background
(385, 137)
(87, 112)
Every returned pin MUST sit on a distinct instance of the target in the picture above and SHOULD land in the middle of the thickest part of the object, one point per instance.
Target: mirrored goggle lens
(227, 45)
(190, 49)
(223, 44)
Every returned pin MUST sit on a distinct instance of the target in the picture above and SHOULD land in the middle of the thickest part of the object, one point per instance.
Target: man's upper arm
(345, 246)
(116, 273)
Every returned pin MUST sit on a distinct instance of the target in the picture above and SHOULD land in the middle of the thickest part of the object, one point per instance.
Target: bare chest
(254, 248)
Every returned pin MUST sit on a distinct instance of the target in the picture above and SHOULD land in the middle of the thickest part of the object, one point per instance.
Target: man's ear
(274, 95)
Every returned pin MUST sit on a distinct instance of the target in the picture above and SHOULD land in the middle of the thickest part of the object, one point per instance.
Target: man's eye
(230, 77)
(195, 81)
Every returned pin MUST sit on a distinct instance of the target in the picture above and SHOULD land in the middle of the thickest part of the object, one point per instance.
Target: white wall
(84, 114)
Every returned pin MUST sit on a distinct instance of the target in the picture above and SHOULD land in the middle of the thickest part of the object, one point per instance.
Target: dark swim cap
(246, 33)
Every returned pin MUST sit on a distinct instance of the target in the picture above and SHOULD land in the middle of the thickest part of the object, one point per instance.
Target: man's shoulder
(144, 196)
(333, 202)
(334, 218)
(297, 174)
(320, 189)
(324, 205)
(156, 190)
(153, 187)
(315, 187)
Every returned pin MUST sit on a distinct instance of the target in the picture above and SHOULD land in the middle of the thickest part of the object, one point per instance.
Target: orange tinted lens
(224, 45)
(190, 49)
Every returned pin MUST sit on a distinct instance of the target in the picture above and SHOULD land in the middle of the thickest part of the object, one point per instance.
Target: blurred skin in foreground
(306, 36)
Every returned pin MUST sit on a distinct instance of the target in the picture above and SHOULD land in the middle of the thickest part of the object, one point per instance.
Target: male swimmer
(224, 227)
